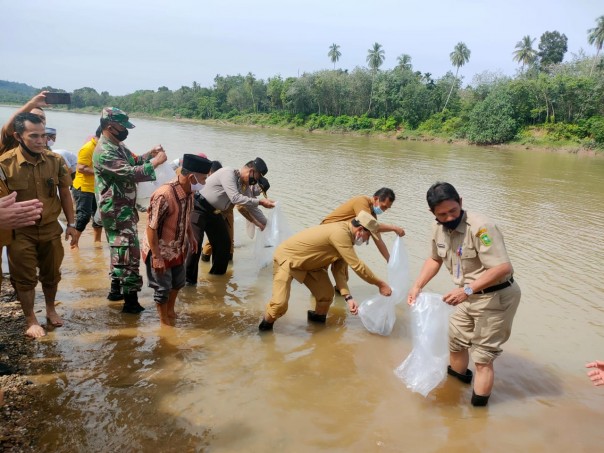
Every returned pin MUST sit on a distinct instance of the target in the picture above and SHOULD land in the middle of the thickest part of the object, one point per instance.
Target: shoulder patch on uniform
(479, 233)
(484, 237)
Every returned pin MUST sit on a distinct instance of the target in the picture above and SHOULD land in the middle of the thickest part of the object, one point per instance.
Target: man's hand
(156, 150)
(455, 297)
(353, 306)
(385, 289)
(399, 231)
(18, 214)
(38, 101)
(265, 202)
(412, 295)
(158, 265)
(74, 234)
(160, 158)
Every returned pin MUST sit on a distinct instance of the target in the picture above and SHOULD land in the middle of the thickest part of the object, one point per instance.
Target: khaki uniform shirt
(470, 249)
(349, 210)
(317, 247)
(36, 178)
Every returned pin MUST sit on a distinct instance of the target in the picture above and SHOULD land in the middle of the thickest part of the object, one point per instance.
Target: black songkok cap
(196, 164)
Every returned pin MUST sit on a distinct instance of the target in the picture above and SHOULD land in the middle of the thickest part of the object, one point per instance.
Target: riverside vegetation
(548, 103)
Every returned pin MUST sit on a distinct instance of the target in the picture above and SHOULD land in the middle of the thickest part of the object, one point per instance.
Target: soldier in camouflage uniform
(116, 172)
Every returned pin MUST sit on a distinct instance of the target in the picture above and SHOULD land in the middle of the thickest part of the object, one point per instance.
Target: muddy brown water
(119, 382)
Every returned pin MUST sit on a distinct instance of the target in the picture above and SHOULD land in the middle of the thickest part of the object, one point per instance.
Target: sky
(121, 46)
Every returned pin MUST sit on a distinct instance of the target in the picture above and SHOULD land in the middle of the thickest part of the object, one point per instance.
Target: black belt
(206, 204)
(499, 287)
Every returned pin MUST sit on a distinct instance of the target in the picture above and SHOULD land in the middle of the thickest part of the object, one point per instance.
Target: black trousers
(205, 220)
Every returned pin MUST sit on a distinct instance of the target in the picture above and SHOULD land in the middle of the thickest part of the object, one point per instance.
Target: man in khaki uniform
(306, 256)
(378, 204)
(33, 172)
(486, 295)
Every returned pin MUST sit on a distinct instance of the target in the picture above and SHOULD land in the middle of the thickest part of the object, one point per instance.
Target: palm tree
(375, 58)
(459, 57)
(596, 37)
(404, 61)
(525, 53)
(334, 54)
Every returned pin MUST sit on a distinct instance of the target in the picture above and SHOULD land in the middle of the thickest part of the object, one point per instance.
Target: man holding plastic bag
(378, 204)
(486, 296)
(306, 256)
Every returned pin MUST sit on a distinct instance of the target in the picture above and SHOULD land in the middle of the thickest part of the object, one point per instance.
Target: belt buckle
(217, 211)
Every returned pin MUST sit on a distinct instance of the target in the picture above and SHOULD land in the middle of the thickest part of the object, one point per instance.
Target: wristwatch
(71, 225)
(468, 290)
(348, 297)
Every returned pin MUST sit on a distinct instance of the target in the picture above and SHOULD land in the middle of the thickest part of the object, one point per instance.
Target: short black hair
(99, 131)
(185, 172)
(21, 118)
(439, 192)
(216, 165)
(104, 123)
(385, 193)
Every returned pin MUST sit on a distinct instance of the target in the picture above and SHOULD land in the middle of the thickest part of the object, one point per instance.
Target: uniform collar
(22, 157)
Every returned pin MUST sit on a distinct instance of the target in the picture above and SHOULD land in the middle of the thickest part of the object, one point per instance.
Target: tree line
(564, 98)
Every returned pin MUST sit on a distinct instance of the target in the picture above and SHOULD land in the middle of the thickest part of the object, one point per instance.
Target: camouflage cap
(118, 116)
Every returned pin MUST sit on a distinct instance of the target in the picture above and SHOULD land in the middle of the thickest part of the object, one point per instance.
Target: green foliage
(595, 127)
(552, 48)
(492, 121)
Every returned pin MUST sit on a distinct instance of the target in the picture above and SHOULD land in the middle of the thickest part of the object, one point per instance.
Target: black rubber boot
(479, 400)
(265, 325)
(131, 304)
(205, 258)
(313, 317)
(115, 293)
(465, 378)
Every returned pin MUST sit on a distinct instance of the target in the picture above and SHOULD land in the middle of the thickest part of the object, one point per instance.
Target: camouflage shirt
(116, 172)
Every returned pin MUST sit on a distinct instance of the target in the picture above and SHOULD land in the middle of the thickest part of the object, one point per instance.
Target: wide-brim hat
(369, 223)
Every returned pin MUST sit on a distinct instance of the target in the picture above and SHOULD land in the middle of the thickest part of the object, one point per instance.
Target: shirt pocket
(17, 184)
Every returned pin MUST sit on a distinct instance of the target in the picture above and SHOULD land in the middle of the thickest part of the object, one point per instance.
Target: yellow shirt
(82, 181)
(317, 247)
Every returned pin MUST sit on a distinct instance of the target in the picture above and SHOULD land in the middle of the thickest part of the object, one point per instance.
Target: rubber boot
(465, 378)
(265, 325)
(479, 400)
(313, 317)
(115, 293)
(131, 304)
(97, 234)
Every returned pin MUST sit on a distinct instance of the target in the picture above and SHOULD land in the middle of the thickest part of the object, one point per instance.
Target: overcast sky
(124, 45)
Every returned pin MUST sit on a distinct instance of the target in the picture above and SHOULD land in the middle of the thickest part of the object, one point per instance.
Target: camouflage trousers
(125, 256)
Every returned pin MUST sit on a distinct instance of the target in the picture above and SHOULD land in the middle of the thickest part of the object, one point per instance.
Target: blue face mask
(377, 210)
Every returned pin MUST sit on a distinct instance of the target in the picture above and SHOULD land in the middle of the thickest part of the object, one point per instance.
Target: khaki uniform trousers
(33, 247)
(316, 281)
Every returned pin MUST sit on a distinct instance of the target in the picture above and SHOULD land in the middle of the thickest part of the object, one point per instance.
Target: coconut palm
(404, 61)
(459, 57)
(525, 53)
(334, 54)
(375, 58)
(596, 38)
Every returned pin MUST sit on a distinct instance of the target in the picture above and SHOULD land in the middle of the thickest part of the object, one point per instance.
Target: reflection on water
(115, 381)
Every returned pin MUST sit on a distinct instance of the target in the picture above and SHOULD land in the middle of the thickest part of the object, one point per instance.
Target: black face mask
(452, 224)
(252, 180)
(27, 150)
(121, 135)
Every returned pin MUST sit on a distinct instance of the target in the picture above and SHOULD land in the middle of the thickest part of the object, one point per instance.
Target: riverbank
(18, 415)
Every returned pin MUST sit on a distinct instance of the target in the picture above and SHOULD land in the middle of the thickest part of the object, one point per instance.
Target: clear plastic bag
(378, 314)
(163, 174)
(277, 230)
(426, 365)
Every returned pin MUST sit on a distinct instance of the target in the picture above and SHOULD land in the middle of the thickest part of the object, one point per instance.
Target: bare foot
(172, 315)
(54, 319)
(35, 331)
(166, 322)
(75, 247)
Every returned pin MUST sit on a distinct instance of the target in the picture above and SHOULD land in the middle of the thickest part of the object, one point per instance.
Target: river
(119, 382)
